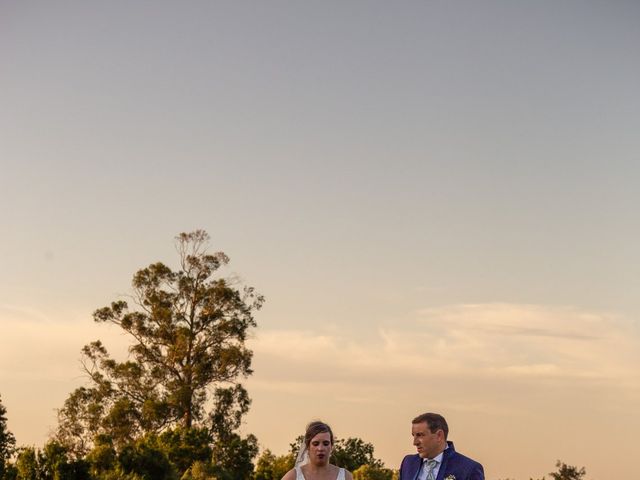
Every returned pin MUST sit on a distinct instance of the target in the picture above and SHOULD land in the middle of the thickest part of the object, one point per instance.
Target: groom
(436, 458)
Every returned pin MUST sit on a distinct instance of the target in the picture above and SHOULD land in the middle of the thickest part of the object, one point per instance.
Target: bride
(313, 458)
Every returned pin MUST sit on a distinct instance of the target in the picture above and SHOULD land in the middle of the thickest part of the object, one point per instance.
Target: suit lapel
(445, 459)
(418, 467)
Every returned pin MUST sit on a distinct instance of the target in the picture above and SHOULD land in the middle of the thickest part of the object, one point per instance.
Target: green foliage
(7, 440)
(186, 446)
(353, 453)
(199, 471)
(171, 455)
(231, 404)
(568, 472)
(233, 457)
(50, 463)
(294, 447)
(27, 464)
(56, 464)
(146, 460)
(10, 472)
(102, 458)
(188, 332)
(371, 472)
(272, 467)
(166, 456)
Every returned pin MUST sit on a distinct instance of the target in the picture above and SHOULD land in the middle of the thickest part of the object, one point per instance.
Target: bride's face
(320, 449)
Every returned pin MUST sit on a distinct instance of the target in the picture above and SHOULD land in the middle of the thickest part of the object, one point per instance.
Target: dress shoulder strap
(299, 475)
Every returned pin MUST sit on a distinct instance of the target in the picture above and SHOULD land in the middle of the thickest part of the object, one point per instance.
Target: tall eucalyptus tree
(188, 329)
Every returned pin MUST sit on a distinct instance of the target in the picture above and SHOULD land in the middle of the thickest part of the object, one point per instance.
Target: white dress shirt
(436, 469)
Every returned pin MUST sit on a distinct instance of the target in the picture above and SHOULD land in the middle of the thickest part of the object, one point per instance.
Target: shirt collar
(437, 458)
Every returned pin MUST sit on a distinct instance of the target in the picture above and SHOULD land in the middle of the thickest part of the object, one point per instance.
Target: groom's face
(428, 444)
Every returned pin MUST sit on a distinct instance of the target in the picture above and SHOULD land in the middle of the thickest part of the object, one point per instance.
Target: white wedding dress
(300, 476)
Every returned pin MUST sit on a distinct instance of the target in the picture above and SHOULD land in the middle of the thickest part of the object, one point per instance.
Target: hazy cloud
(53, 346)
(464, 340)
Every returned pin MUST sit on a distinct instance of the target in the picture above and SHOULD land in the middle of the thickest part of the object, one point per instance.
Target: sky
(437, 199)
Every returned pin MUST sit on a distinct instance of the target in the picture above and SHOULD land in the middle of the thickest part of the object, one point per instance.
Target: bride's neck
(313, 468)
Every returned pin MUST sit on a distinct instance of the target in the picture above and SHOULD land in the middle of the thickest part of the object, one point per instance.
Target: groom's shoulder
(463, 467)
(459, 458)
(411, 458)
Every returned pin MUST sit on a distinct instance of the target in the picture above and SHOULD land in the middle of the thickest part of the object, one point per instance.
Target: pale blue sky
(362, 163)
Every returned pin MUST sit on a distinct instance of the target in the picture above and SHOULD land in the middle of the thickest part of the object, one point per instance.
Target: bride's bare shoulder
(290, 475)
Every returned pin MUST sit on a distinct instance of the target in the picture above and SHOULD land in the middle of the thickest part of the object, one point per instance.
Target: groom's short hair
(434, 422)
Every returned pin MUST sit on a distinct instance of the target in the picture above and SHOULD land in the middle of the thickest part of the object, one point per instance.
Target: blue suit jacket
(453, 463)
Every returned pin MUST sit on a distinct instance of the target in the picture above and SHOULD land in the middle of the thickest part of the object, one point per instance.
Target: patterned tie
(430, 465)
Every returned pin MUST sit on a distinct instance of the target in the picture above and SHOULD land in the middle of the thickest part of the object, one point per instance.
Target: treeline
(192, 454)
(177, 454)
